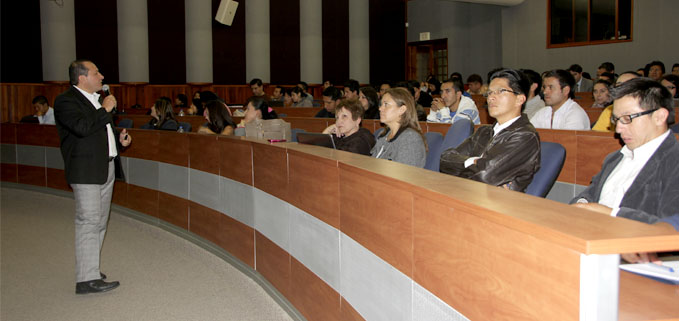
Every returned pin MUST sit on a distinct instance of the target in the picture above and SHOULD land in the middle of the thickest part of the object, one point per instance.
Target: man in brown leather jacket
(507, 153)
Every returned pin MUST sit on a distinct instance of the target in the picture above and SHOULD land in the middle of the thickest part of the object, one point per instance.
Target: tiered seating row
(344, 236)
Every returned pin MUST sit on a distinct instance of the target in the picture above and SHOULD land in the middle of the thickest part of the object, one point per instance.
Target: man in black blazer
(641, 181)
(89, 147)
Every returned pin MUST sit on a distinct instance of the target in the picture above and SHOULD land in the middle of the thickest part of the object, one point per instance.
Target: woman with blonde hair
(403, 140)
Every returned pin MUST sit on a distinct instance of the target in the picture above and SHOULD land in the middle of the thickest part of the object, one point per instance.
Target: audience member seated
(402, 141)
(670, 81)
(347, 131)
(43, 112)
(507, 153)
(218, 119)
(675, 69)
(534, 102)
(370, 103)
(162, 116)
(257, 87)
(476, 86)
(605, 67)
(422, 98)
(331, 97)
(415, 92)
(384, 86)
(641, 72)
(655, 70)
(608, 77)
(257, 108)
(304, 87)
(299, 99)
(456, 75)
(641, 181)
(181, 101)
(582, 84)
(287, 98)
(351, 88)
(433, 85)
(561, 111)
(601, 94)
(452, 105)
(278, 93)
(327, 84)
(604, 124)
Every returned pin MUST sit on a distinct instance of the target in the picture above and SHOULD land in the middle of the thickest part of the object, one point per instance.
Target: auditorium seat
(552, 157)
(125, 123)
(186, 126)
(434, 141)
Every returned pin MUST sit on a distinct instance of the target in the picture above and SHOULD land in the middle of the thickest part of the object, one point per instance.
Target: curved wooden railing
(345, 236)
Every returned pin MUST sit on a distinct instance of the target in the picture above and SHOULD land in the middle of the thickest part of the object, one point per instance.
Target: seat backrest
(457, 133)
(675, 128)
(434, 141)
(552, 157)
(125, 123)
(293, 133)
(185, 125)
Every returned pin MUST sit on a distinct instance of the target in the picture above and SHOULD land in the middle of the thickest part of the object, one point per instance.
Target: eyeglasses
(671, 87)
(498, 92)
(627, 119)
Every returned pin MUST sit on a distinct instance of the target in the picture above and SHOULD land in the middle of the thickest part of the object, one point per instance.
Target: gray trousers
(92, 207)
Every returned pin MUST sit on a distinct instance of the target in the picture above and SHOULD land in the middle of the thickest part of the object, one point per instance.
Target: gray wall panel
(237, 201)
(31, 155)
(173, 180)
(142, 173)
(427, 306)
(377, 290)
(8, 153)
(204, 189)
(53, 158)
(316, 245)
(272, 218)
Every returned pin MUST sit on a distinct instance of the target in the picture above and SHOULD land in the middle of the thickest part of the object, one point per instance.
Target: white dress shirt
(48, 117)
(94, 99)
(569, 116)
(624, 174)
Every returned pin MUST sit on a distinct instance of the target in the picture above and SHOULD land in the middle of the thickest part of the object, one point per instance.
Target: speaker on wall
(226, 12)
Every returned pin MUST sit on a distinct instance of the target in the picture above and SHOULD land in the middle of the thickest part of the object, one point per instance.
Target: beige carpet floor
(162, 276)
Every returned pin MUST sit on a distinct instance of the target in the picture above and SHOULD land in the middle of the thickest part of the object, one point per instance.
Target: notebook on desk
(668, 272)
(318, 139)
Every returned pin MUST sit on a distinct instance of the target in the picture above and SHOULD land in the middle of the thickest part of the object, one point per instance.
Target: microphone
(107, 91)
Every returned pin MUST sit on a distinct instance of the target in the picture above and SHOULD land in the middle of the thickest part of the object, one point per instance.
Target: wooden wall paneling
(20, 37)
(154, 92)
(435, 127)
(31, 175)
(16, 100)
(335, 23)
(8, 172)
(142, 199)
(204, 221)
(387, 231)
(237, 239)
(8, 133)
(312, 297)
(270, 166)
(454, 249)
(641, 299)
(234, 94)
(568, 140)
(314, 186)
(173, 148)
(204, 153)
(592, 149)
(120, 193)
(50, 135)
(144, 144)
(96, 35)
(167, 42)
(236, 159)
(174, 210)
(228, 47)
(56, 178)
(273, 263)
(132, 93)
(30, 134)
(284, 42)
(373, 124)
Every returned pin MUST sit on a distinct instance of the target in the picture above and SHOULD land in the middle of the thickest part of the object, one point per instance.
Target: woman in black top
(162, 116)
(370, 102)
(347, 131)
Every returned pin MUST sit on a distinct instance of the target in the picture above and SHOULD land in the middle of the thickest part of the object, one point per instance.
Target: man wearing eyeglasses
(507, 153)
(641, 181)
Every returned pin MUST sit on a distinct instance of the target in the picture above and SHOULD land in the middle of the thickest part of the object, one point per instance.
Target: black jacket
(511, 157)
(84, 138)
(360, 142)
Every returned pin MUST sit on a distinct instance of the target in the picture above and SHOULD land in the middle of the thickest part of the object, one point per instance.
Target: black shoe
(103, 276)
(95, 286)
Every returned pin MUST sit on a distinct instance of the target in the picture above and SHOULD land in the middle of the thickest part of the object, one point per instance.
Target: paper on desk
(653, 271)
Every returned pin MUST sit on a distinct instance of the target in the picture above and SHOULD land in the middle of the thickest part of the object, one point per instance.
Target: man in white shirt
(582, 84)
(641, 181)
(43, 111)
(561, 111)
(507, 153)
(534, 102)
(452, 105)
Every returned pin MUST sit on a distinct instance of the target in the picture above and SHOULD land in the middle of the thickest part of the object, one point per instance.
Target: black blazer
(84, 139)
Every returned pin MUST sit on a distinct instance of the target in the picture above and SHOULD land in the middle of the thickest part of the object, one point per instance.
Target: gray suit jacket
(654, 194)
(586, 85)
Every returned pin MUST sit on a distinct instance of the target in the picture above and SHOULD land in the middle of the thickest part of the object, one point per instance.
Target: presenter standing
(89, 147)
